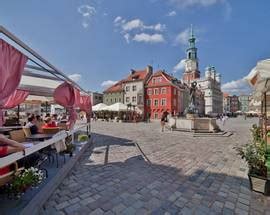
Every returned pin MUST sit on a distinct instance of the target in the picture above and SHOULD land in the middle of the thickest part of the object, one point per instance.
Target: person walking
(163, 120)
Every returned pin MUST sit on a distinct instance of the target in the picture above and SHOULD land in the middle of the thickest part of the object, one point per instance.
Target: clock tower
(192, 62)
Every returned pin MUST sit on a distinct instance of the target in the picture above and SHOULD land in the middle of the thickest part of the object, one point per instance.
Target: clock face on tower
(191, 65)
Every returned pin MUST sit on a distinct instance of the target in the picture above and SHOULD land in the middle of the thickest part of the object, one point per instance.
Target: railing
(5, 161)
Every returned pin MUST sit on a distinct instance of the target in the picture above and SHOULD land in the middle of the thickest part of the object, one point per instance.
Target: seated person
(31, 124)
(49, 123)
(7, 147)
(39, 123)
(54, 119)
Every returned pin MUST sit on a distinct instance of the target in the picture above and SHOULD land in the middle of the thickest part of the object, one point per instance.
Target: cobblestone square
(137, 169)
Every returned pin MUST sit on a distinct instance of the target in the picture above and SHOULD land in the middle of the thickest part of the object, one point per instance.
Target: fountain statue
(191, 110)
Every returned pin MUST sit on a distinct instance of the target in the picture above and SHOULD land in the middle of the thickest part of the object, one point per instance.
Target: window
(134, 88)
(115, 100)
(156, 115)
(119, 99)
(163, 91)
(111, 100)
(140, 100)
(127, 88)
(163, 102)
(156, 102)
(174, 102)
(160, 79)
(127, 99)
(156, 91)
(134, 98)
(148, 102)
(174, 91)
(149, 91)
(153, 80)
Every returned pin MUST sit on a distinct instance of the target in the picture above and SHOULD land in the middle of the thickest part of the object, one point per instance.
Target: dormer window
(153, 80)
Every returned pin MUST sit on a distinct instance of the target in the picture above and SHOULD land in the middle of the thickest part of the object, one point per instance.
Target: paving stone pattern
(184, 174)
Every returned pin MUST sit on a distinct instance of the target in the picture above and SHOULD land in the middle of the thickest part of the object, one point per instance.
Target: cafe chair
(27, 132)
(62, 126)
(50, 130)
(18, 135)
(5, 178)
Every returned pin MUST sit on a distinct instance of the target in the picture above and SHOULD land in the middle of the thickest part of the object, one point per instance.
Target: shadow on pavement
(136, 186)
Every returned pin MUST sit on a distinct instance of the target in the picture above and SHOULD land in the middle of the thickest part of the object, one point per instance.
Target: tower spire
(191, 31)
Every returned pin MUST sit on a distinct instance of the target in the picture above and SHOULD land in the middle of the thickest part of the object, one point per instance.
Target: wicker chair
(62, 126)
(50, 130)
(18, 135)
(10, 175)
(27, 132)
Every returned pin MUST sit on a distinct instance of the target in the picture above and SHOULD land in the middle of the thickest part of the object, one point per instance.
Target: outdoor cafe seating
(38, 78)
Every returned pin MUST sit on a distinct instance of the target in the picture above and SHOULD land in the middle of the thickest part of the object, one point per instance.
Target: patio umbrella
(99, 107)
(116, 107)
(259, 77)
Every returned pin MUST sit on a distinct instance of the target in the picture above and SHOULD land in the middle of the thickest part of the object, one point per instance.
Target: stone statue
(191, 109)
(192, 93)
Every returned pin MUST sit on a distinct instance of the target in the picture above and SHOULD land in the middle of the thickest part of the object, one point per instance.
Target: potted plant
(254, 154)
(70, 146)
(28, 178)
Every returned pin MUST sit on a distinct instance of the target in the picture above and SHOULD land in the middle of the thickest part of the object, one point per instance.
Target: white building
(209, 85)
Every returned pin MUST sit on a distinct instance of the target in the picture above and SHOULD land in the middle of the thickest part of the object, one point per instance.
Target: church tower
(192, 62)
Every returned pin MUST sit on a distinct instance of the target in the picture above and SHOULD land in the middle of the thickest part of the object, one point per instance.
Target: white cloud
(117, 19)
(87, 13)
(191, 3)
(135, 29)
(108, 83)
(149, 38)
(172, 13)
(127, 37)
(182, 37)
(75, 77)
(236, 87)
(183, 4)
(139, 24)
(179, 66)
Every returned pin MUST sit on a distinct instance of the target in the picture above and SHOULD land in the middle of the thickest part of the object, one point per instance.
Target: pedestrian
(163, 120)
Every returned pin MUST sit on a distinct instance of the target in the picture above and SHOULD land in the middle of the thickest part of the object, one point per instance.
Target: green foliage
(70, 146)
(82, 138)
(256, 133)
(31, 177)
(254, 153)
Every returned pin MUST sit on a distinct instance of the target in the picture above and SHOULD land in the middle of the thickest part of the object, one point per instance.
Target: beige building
(134, 87)
(114, 94)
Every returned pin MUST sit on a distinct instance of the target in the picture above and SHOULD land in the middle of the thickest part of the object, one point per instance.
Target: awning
(259, 78)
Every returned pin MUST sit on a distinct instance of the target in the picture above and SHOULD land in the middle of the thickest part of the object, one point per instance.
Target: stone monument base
(195, 124)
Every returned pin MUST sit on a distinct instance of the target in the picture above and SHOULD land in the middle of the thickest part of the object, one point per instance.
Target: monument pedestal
(195, 124)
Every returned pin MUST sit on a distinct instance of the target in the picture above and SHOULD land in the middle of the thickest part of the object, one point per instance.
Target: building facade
(226, 103)
(210, 85)
(134, 86)
(244, 101)
(114, 94)
(163, 93)
(96, 97)
(234, 103)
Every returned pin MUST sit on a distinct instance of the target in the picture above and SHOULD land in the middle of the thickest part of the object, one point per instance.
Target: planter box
(259, 184)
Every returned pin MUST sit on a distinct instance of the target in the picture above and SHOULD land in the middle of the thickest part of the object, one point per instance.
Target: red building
(163, 93)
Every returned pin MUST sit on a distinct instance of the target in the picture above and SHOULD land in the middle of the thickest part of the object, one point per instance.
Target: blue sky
(101, 40)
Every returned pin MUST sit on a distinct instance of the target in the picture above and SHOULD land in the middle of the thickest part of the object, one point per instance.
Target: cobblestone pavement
(183, 174)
